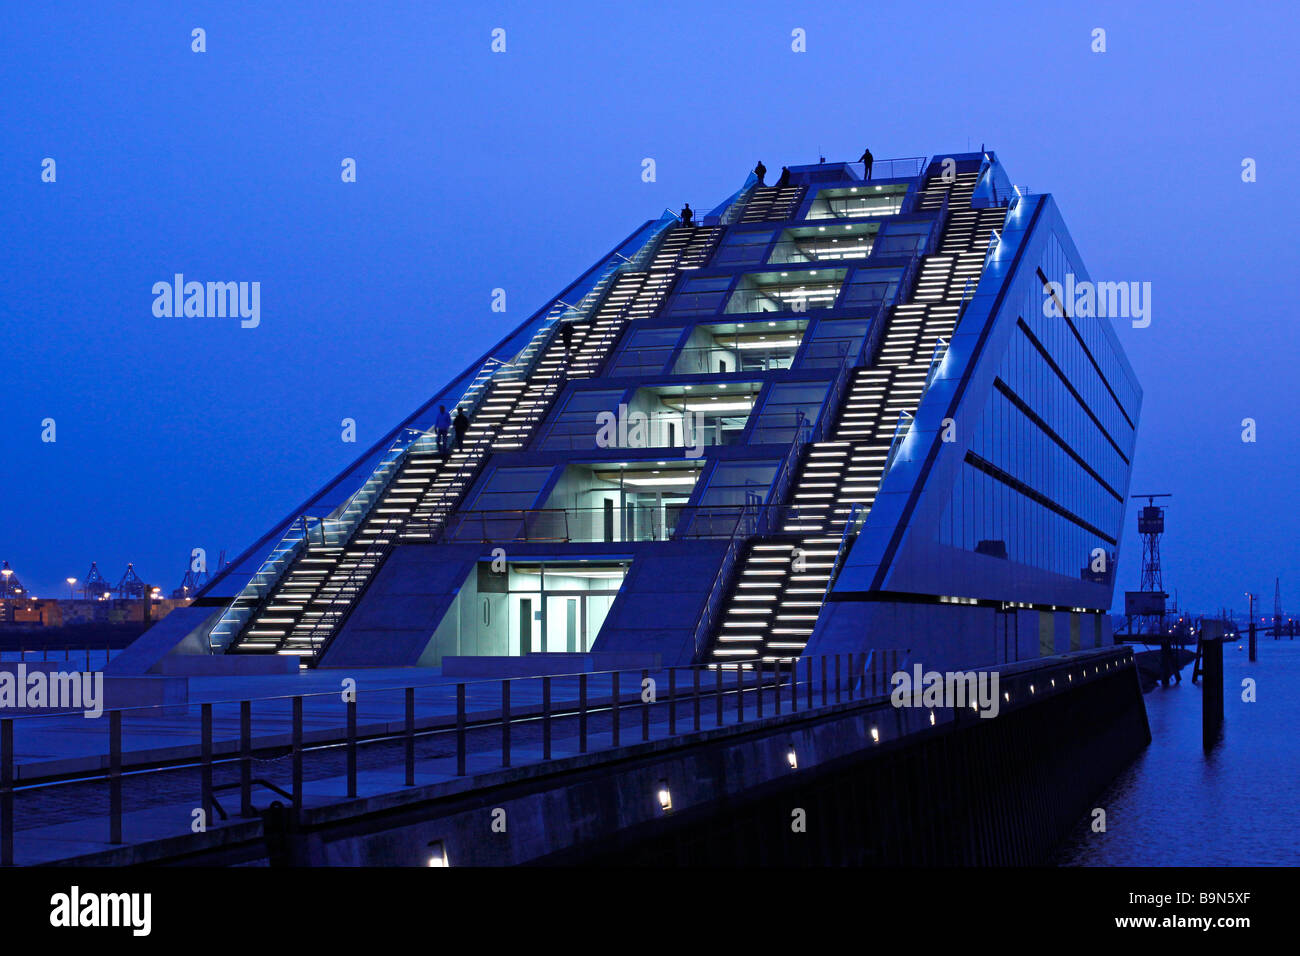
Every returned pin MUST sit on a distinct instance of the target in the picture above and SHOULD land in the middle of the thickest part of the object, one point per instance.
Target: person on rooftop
(785, 178)
(865, 159)
(760, 171)
(688, 215)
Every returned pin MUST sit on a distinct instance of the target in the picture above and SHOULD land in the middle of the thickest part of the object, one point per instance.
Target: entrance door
(525, 626)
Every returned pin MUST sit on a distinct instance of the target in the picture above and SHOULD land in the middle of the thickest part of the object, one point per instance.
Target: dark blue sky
(478, 170)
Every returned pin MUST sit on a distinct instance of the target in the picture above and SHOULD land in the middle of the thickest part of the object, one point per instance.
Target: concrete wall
(403, 607)
(661, 601)
(967, 792)
(182, 632)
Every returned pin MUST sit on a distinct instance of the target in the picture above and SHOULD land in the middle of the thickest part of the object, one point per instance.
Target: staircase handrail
(712, 603)
(852, 525)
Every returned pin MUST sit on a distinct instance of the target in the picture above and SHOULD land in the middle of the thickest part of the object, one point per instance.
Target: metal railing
(415, 727)
(852, 525)
(713, 601)
(598, 525)
(901, 428)
(907, 167)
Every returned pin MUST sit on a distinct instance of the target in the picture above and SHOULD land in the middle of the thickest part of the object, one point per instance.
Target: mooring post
(1212, 682)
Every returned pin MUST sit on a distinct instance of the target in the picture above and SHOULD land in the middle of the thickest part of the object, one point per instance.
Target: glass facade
(1043, 480)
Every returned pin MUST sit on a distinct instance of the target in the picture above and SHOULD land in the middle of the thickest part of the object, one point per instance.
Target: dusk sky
(478, 170)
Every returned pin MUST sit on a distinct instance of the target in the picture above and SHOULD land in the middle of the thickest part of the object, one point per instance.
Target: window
(870, 287)
(574, 426)
(511, 488)
(831, 341)
(855, 202)
(742, 248)
(646, 352)
(786, 402)
(700, 296)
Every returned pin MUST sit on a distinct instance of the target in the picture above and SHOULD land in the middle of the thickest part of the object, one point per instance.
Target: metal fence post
(460, 730)
(115, 776)
(758, 689)
(776, 680)
(7, 791)
(850, 675)
(297, 755)
(645, 706)
(352, 745)
(546, 718)
(205, 751)
(410, 736)
(505, 722)
(740, 694)
(613, 710)
(794, 685)
(582, 713)
(672, 701)
(245, 758)
(808, 676)
(717, 689)
(837, 678)
(695, 694)
(824, 688)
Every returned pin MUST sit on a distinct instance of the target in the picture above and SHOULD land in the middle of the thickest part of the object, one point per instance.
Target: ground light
(665, 796)
(792, 759)
(438, 854)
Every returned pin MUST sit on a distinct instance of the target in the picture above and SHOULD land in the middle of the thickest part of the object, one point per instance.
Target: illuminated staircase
(327, 578)
(772, 204)
(782, 579)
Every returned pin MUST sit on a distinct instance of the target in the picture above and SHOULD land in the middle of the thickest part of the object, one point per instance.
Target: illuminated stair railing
(857, 518)
(901, 428)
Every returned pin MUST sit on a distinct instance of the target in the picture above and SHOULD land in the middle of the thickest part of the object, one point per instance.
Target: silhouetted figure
(440, 425)
(760, 171)
(688, 215)
(866, 159)
(785, 178)
(461, 424)
(566, 336)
